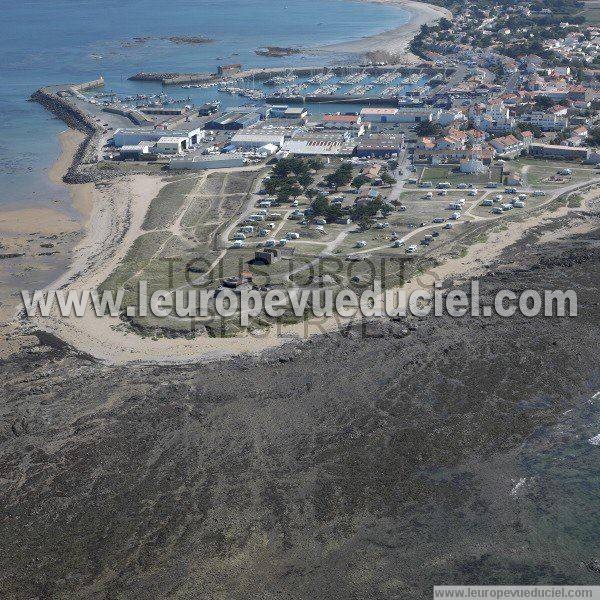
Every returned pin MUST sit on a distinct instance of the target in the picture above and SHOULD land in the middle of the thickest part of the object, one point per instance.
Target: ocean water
(77, 40)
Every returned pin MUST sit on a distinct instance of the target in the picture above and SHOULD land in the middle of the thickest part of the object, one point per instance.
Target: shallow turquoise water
(61, 41)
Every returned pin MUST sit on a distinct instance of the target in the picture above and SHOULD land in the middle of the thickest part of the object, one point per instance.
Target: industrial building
(349, 123)
(171, 145)
(320, 145)
(233, 120)
(137, 151)
(165, 110)
(202, 162)
(380, 115)
(135, 135)
(283, 111)
(379, 146)
(414, 115)
(249, 140)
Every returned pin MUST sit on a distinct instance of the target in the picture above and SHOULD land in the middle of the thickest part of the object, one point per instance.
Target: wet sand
(81, 195)
(41, 239)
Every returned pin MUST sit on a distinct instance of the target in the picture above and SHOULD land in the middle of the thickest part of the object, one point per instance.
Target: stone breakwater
(55, 99)
(268, 72)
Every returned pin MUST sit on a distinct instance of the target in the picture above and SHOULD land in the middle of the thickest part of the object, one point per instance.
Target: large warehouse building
(249, 140)
(135, 135)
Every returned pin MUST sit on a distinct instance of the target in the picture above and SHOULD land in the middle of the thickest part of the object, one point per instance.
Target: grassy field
(182, 222)
(168, 203)
(543, 173)
(447, 173)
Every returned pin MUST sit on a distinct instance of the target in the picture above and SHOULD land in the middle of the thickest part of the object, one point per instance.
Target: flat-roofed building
(320, 145)
(250, 139)
(379, 146)
(136, 151)
(135, 135)
(379, 115)
(414, 115)
(171, 145)
(553, 151)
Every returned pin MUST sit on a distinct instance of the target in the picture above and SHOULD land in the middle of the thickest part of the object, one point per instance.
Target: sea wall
(133, 115)
(267, 73)
(56, 100)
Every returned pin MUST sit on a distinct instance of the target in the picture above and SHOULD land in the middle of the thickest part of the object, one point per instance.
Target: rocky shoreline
(86, 155)
(443, 469)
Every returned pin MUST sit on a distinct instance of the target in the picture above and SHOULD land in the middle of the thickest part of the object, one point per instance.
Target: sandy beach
(114, 214)
(114, 221)
(107, 339)
(81, 195)
(394, 41)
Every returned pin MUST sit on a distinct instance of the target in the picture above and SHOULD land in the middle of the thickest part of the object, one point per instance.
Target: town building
(546, 121)
(508, 146)
(559, 152)
(473, 164)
